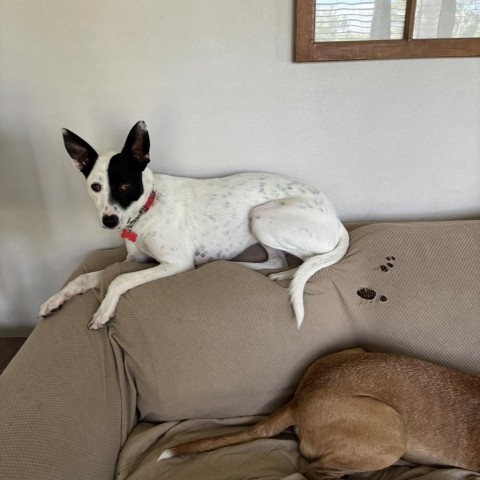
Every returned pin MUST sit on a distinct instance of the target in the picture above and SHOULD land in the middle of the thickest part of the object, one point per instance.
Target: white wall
(215, 82)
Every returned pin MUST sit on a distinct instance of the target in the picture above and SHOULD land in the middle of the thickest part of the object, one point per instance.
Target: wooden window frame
(307, 50)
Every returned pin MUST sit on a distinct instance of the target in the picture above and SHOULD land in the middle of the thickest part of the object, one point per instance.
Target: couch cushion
(221, 341)
(218, 341)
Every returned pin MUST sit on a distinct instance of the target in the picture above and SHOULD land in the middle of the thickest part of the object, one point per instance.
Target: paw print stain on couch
(370, 294)
(389, 264)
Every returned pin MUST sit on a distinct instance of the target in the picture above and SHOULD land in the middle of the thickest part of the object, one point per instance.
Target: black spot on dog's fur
(125, 170)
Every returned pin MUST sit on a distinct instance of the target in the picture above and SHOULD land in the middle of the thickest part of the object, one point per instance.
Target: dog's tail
(309, 267)
(273, 425)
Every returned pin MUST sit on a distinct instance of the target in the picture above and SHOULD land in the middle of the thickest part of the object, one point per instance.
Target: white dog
(183, 222)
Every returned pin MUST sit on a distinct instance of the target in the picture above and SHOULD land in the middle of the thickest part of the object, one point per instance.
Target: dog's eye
(96, 187)
(125, 187)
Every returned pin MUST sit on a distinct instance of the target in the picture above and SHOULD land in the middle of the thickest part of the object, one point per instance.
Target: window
(379, 29)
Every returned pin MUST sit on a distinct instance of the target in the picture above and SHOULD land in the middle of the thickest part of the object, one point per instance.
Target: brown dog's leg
(355, 435)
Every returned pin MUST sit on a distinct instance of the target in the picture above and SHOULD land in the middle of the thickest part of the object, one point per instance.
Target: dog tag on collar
(129, 235)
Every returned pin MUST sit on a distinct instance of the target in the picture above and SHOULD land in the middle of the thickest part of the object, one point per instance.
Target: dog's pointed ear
(138, 144)
(82, 154)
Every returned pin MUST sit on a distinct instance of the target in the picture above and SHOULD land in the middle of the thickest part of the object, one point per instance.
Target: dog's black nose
(110, 221)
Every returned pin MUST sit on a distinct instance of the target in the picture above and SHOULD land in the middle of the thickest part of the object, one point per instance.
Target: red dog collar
(127, 233)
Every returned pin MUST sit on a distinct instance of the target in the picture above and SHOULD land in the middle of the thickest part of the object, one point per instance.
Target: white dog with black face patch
(183, 222)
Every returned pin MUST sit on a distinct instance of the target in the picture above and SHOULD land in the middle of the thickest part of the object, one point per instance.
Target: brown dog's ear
(83, 155)
(137, 145)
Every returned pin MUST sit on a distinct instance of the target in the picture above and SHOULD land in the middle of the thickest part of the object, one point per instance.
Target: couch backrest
(221, 341)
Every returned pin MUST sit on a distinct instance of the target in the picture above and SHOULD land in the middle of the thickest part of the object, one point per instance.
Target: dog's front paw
(100, 318)
(53, 303)
(97, 322)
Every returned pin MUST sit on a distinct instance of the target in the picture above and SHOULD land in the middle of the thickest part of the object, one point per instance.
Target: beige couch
(211, 350)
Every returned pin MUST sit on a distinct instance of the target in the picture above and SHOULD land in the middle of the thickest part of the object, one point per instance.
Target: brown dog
(357, 411)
